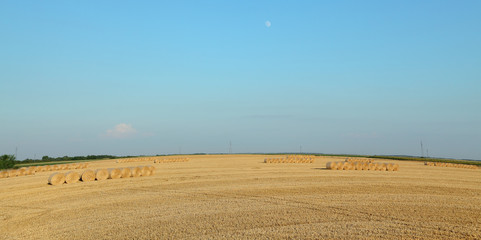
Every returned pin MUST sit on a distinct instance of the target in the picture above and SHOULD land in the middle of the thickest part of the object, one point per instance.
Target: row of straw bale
(363, 160)
(25, 171)
(100, 174)
(300, 158)
(455, 165)
(139, 159)
(149, 159)
(169, 160)
(288, 160)
(362, 166)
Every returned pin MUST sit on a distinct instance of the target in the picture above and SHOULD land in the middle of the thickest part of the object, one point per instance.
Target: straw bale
(3, 174)
(390, 167)
(331, 165)
(12, 173)
(101, 174)
(135, 171)
(88, 176)
(152, 169)
(359, 166)
(30, 170)
(382, 167)
(125, 172)
(144, 170)
(56, 178)
(114, 173)
(22, 171)
(72, 177)
(395, 167)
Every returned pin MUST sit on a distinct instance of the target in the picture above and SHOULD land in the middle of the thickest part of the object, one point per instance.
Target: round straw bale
(114, 173)
(88, 176)
(382, 167)
(371, 166)
(56, 178)
(3, 174)
(152, 169)
(365, 166)
(125, 172)
(72, 177)
(22, 171)
(395, 167)
(390, 167)
(101, 174)
(12, 173)
(331, 165)
(135, 171)
(339, 165)
(359, 166)
(30, 171)
(144, 170)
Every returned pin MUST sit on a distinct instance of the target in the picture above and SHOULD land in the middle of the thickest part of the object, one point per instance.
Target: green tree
(7, 161)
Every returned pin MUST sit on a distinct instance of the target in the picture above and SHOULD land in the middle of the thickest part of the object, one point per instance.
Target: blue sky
(152, 77)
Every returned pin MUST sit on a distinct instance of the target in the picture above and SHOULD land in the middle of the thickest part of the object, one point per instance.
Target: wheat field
(241, 197)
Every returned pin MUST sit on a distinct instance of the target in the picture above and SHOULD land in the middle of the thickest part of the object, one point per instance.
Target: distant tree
(7, 161)
(45, 158)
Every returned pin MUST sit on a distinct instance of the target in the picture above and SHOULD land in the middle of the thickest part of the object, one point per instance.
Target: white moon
(268, 23)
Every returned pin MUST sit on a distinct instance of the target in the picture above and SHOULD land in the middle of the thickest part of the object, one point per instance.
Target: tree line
(67, 158)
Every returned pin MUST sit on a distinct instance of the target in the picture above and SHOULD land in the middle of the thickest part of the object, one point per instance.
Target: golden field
(240, 197)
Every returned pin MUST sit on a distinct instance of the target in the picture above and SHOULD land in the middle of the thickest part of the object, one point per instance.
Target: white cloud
(268, 23)
(121, 130)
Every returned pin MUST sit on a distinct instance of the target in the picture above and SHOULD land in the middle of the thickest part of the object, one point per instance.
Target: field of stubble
(238, 196)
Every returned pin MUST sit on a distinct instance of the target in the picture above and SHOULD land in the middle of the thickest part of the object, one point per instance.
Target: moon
(268, 23)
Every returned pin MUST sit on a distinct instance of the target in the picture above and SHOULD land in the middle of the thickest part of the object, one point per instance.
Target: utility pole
(422, 150)
(230, 147)
(427, 152)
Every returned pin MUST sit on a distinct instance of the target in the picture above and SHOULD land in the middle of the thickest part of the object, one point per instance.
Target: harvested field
(241, 197)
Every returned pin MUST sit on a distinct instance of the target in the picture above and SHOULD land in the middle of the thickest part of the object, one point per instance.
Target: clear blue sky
(152, 77)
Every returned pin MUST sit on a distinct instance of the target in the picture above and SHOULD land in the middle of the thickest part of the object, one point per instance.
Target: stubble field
(239, 196)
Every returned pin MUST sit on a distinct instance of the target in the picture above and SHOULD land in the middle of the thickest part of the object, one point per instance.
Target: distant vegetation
(46, 159)
(7, 161)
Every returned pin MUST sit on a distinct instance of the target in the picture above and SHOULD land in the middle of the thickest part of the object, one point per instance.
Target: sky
(168, 77)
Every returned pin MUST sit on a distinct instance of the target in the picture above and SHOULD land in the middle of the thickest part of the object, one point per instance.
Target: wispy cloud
(121, 130)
